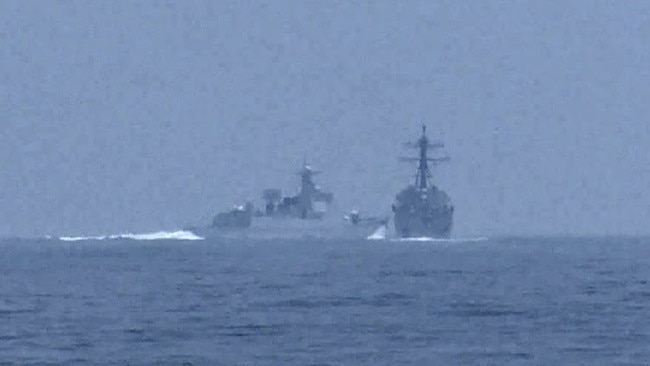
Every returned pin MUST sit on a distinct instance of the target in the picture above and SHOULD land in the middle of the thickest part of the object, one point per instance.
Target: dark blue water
(496, 302)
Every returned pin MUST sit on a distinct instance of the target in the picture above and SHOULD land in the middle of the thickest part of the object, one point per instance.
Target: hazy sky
(121, 116)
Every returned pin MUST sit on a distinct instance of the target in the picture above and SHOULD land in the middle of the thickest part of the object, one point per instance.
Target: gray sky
(123, 116)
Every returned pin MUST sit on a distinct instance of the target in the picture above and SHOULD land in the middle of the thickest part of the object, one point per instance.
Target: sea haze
(509, 301)
(154, 115)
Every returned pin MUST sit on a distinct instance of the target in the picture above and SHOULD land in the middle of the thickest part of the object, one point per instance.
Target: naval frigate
(303, 215)
(422, 209)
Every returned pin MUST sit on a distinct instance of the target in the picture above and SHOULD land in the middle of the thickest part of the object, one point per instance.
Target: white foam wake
(454, 240)
(379, 234)
(160, 235)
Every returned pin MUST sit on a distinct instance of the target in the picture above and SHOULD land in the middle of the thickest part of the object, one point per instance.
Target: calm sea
(514, 301)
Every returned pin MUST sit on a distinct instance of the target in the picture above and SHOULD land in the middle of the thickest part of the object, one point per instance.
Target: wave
(160, 235)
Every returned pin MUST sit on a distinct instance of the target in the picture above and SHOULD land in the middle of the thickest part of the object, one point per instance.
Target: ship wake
(160, 235)
(379, 234)
(441, 240)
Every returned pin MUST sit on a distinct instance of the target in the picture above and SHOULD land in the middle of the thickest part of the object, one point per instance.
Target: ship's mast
(423, 168)
(307, 185)
(423, 145)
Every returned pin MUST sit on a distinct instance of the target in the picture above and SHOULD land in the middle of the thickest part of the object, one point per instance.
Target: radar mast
(423, 145)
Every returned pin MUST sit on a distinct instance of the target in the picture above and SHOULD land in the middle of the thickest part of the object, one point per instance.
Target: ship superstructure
(311, 202)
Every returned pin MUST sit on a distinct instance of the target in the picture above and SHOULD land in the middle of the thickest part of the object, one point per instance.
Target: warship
(422, 209)
(303, 215)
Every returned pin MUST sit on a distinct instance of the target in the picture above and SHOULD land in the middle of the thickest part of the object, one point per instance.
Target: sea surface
(504, 301)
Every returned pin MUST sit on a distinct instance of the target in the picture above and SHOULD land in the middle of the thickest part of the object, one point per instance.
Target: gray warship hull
(272, 228)
(423, 210)
(423, 213)
(300, 216)
(423, 225)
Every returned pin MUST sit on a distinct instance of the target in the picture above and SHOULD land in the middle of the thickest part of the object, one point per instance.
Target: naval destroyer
(422, 209)
(303, 215)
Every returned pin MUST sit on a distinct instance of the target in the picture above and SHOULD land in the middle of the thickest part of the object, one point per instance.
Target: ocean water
(508, 301)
